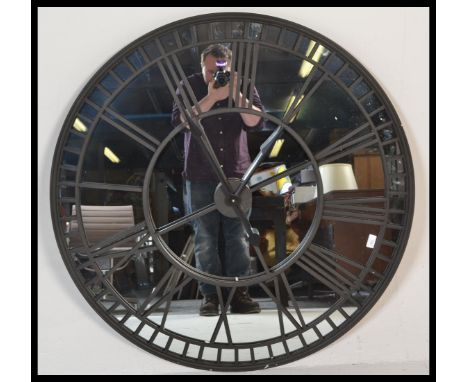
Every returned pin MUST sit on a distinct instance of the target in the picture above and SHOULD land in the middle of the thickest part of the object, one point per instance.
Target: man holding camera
(228, 138)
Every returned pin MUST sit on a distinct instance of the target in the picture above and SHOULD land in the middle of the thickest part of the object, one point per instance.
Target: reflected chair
(101, 223)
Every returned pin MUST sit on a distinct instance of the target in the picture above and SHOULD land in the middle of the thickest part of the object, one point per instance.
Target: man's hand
(217, 94)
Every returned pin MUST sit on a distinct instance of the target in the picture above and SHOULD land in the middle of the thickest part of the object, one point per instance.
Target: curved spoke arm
(196, 129)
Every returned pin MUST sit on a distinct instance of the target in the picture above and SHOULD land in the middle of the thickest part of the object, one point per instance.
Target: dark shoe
(242, 303)
(210, 306)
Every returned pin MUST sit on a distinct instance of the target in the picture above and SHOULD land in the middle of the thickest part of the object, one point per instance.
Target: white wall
(392, 43)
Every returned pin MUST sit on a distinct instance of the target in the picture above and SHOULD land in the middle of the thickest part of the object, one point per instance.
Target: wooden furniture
(270, 209)
(350, 239)
(368, 171)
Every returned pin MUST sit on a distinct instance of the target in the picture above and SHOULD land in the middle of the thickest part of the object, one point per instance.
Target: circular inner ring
(224, 203)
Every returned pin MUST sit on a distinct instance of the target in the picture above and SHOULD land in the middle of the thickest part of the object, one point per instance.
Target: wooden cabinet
(351, 239)
(368, 171)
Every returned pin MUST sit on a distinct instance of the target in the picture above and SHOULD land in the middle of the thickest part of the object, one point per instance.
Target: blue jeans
(206, 228)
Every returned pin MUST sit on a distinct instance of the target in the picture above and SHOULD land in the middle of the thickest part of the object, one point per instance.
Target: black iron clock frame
(312, 258)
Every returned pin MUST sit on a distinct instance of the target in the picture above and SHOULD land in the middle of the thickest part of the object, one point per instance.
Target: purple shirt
(227, 134)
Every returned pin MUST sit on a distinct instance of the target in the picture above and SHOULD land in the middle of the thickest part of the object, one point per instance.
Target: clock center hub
(225, 204)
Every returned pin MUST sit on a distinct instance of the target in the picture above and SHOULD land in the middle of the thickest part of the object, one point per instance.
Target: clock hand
(252, 233)
(264, 150)
(198, 132)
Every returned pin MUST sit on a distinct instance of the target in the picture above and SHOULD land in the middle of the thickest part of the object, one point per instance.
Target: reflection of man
(228, 137)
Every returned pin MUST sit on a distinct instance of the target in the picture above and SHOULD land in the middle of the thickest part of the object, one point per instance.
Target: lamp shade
(337, 176)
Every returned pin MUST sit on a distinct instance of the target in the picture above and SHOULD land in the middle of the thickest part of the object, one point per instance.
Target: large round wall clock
(306, 177)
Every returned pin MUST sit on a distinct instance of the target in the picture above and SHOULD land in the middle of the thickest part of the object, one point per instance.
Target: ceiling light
(79, 126)
(276, 148)
(307, 66)
(110, 155)
(290, 103)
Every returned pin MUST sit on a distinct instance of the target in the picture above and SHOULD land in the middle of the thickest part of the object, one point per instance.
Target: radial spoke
(358, 138)
(292, 298)
(259, 254)
(280, 313)
(178, 78)
(131, 130)
(167, 277)
(280, 306)
(186, 219)
(326, 276)
(223, 316)
(182, 102)
(105, 254)
(108, 186)
(350, 280)
(165, 314)
(335, 256)
(148, 137)
(346, 211)
(297, 98)
(301, 98)
(121, 239)
(167, 296)
(293, 170)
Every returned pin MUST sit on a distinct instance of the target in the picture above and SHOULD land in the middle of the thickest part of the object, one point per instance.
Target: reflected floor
(184, 319)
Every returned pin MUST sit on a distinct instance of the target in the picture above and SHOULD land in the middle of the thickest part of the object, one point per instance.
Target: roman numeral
(109, 186)
(174, 77)
(173, 80)
(123, 256)
(302, 96)
(146, 59)
(355, 210)
(286, 285)
(348, 144)
(334, 259)
(125, 238)
(149, 305)
(246, 70)
(223, 316)
(130, 129)
(327, 275)
(120, 239)
(281, 308)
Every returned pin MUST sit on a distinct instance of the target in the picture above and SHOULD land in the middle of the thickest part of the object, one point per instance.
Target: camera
(222, 76)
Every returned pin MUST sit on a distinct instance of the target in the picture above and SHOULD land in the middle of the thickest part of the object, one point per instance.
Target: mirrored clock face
(234, 227)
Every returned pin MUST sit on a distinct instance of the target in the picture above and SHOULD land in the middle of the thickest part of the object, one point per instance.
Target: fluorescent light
(306, 66)
(79, 126)
(290, 103)
(318, 53)
(110, 155)
(276, 148)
